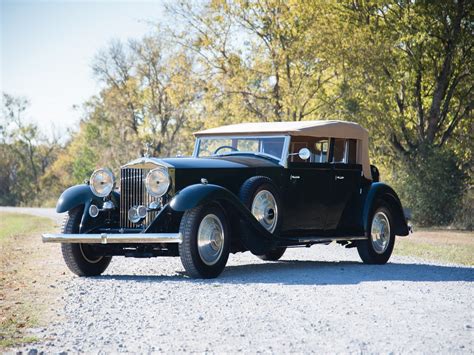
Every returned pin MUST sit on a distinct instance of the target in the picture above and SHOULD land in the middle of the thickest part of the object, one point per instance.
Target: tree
(259, 59)
(408, 76)
(411, 67)
(26, 154)
(148, 95)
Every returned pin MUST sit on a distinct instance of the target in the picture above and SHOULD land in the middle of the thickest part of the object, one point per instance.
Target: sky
(47, 49)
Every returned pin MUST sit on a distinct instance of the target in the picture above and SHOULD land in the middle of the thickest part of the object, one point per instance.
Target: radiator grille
(133, 193)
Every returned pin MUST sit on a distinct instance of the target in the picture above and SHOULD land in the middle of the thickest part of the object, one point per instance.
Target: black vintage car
(258, 187)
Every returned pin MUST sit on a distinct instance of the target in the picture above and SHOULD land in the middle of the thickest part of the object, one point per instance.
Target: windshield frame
(283, 160)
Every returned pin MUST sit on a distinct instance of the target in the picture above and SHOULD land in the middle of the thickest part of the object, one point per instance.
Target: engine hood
(222, 162)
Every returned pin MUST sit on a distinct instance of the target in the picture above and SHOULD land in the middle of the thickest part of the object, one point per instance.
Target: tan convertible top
(322, 128)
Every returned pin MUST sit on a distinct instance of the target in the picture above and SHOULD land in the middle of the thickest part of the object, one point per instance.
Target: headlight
(102, 182)
(157, 182)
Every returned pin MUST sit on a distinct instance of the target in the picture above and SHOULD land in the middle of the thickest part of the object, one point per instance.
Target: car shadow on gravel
(296, 272)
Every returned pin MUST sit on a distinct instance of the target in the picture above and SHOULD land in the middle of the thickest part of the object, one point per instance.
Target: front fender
(74, 196)
(253, 235)
(382, 191)
(79, 195)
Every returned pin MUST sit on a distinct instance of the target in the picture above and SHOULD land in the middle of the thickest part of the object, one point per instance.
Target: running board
(329, 239)
(314, 240)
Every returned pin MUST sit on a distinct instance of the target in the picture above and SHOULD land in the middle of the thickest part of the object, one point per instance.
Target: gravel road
(320, 299)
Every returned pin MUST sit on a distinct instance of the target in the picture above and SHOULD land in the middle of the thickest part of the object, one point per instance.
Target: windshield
(212, 146)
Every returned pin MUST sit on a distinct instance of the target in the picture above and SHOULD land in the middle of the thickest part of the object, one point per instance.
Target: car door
(346, 176)
(308, 186)
(307, 196)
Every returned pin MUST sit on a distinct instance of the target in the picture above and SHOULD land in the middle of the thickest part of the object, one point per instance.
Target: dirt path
(320, 299)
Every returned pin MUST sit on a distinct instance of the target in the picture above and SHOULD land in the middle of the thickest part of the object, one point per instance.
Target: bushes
(433, 185)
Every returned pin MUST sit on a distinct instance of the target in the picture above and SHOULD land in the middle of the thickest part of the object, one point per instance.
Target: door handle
(338, 177)
(294, 177)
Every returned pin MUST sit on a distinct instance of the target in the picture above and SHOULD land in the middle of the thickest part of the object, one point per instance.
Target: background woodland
(402, 69)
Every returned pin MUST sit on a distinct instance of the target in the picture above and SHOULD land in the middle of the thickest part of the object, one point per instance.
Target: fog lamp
(136, 213)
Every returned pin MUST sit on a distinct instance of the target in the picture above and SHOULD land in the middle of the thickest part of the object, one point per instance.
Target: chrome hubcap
(265, 210)
(210, 239)
(380, 232)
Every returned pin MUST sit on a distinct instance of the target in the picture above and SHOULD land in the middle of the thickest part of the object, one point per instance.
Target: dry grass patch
(438, 245)
(29, 275)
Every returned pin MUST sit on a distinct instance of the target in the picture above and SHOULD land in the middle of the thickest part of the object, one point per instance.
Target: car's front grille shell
(133, 193)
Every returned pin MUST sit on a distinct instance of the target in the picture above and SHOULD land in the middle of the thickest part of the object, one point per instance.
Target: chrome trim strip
(197, 143)
(331, 239)
(146, 163)
(286, 152)
(115, 238)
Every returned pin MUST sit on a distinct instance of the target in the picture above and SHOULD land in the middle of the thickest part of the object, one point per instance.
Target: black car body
(258, 187)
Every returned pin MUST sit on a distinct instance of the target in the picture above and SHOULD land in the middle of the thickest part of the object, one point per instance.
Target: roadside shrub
(432, 184)
(464, 218)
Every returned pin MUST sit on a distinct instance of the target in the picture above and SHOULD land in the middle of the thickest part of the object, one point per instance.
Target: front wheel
(81, 258)
(378, 248)
(206, 241)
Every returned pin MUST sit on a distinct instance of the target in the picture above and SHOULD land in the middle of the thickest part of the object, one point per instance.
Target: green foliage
(464, 218)
(26, 154)
(433, 185)
(403, 69)
(261, 61)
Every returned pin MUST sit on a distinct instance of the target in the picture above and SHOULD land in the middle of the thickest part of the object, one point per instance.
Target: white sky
(47, 47)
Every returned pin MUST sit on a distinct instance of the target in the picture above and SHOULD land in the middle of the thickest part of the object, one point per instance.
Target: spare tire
(260, 195)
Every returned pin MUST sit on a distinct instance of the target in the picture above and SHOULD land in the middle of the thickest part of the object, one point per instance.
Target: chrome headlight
(157, 182)
(102, 182)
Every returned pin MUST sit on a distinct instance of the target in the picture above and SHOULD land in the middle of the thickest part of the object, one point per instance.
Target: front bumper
(115, 238)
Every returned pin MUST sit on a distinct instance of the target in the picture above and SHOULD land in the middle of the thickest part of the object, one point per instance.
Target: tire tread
(71, 252)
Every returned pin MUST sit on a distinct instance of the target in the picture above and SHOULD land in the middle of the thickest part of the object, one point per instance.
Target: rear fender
(253, 235)
(384, 192)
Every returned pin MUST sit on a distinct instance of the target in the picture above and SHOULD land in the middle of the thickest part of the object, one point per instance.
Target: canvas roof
(320, 128)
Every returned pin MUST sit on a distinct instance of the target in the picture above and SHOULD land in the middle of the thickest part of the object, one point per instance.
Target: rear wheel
(273, 255)
(261, 197)
(378, 248)
(80, 258)
(206, 241)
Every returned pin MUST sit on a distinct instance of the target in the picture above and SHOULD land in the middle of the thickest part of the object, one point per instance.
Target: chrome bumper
(115, 238)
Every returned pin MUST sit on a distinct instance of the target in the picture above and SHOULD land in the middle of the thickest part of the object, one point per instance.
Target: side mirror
(304, 154)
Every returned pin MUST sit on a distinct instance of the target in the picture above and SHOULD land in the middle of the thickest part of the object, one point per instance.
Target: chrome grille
(133, 193)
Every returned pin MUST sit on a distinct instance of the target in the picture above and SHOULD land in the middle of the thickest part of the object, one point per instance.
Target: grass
(438, 245)
(15, 224)
(20, 276)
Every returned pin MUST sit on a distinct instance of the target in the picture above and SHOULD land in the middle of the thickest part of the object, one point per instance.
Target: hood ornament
(146, 152)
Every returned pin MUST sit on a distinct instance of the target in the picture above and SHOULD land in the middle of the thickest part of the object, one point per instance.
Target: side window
(345, 151)
(295, 148)
(321, 148)
(352, 151)
(339, 150)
